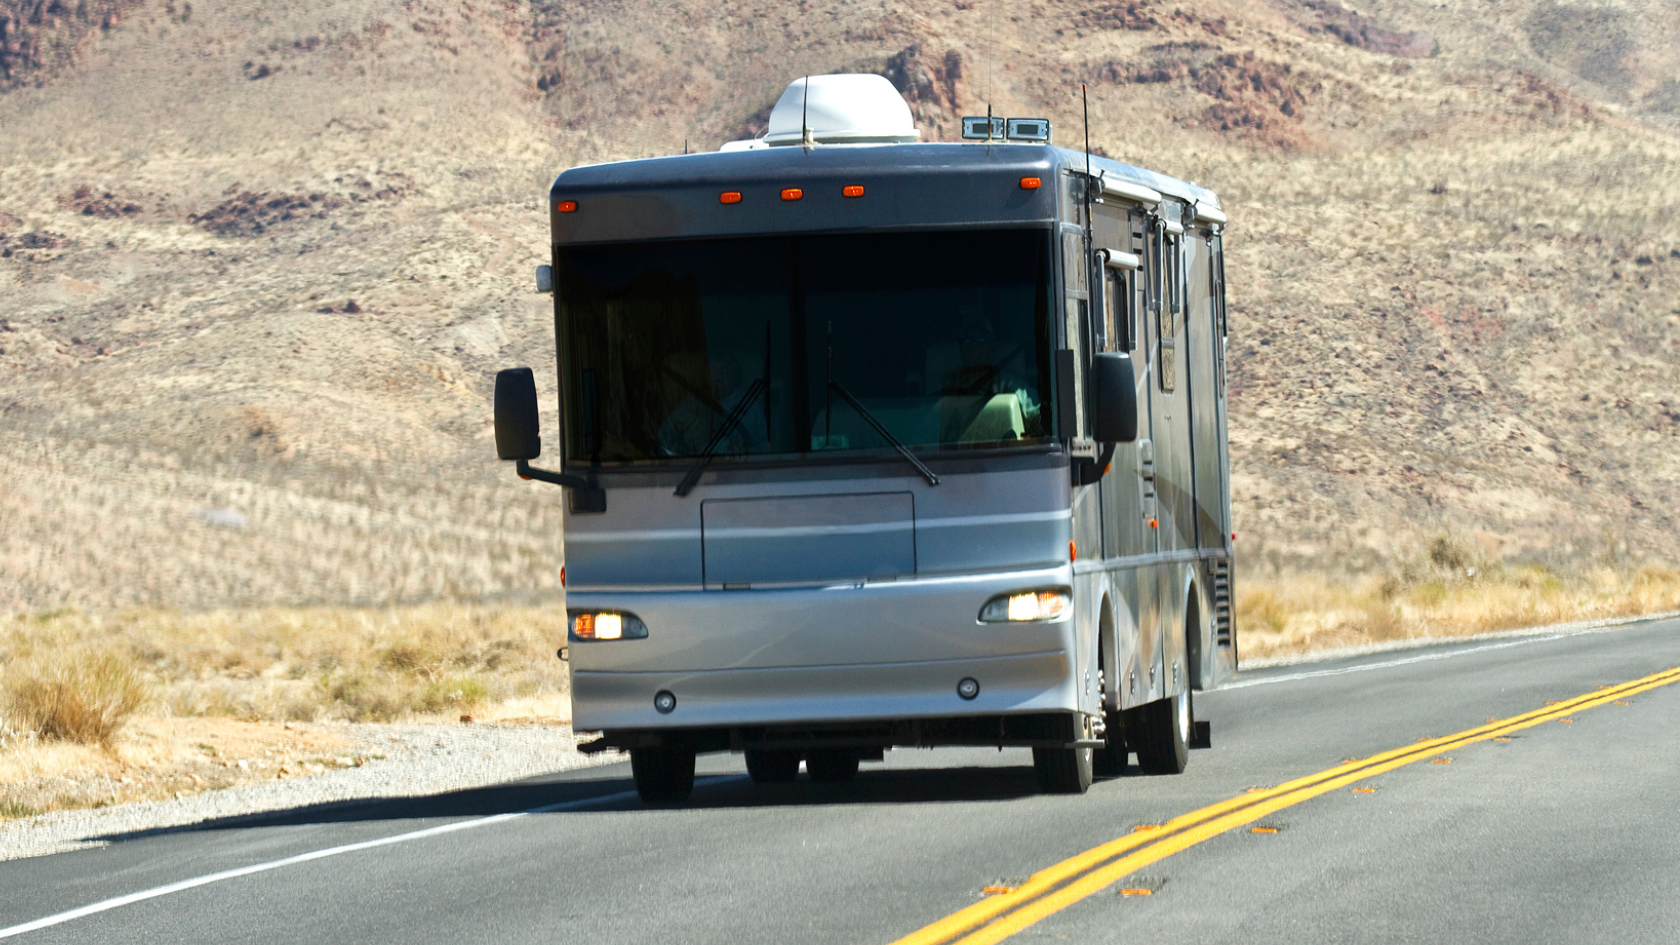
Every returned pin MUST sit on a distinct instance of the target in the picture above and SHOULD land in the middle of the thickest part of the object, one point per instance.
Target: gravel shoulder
(404, 761)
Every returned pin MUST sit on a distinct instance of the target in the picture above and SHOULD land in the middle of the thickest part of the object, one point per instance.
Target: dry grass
(75, 695)
(308, 664)
(1446, 592)
(226, 697)
(159, 758)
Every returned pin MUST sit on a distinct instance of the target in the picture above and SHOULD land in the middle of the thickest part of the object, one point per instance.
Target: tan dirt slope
(259, 262)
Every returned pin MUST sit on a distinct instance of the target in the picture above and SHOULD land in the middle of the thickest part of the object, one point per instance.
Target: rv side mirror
(1114, 389)
(517, 429)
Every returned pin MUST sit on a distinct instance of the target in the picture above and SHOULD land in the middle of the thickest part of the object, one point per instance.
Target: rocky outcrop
(40, 37)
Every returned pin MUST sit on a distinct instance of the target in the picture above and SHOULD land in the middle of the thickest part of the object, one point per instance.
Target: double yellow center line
(1051, 890)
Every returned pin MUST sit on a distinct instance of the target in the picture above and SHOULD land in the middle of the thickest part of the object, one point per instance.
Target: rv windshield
(942, 338)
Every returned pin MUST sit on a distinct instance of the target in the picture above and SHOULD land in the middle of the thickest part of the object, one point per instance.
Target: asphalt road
(1565, 832)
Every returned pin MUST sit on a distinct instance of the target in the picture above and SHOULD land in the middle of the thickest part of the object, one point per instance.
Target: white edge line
(1388, 663)
(206, 880)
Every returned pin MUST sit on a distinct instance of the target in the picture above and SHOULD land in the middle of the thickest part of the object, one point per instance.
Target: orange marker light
(1031, 183)
(852, 190)
(1073, 552)
(566, 206)
(730, 196)
(1154, 523)
(792, 193)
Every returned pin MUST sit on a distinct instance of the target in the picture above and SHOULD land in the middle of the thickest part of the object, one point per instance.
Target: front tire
(1162, 734)
(772, 765)
(663, 775)
(1062, 770)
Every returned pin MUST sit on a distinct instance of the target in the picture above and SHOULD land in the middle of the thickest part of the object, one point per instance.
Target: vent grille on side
(1222, 601)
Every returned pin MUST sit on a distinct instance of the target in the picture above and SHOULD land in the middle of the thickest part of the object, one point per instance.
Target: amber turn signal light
(792, 193)
(852, 190)
(566, 206)
(730, 196)
(1030, 183)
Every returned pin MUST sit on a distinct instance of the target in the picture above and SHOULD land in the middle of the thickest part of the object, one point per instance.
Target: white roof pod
(839, 109)
(1210, 214)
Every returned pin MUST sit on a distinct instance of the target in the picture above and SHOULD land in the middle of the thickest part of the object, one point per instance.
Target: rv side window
(1172, 277)
(1118, 333)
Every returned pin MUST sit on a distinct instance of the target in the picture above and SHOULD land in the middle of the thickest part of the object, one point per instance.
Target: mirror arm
(527, 471)
(1088, 472)
(586, 495)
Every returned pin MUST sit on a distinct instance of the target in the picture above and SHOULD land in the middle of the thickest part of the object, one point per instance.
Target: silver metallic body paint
(837, 646)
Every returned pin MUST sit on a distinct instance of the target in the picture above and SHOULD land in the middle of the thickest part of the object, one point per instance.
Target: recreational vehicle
(869, 443)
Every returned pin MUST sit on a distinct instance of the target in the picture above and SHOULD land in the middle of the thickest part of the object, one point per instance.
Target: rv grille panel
(1222, 601)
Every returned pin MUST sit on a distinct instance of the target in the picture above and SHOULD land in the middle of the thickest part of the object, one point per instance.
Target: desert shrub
(76, 695)
(1381, 620)
(366, 697)
(1259, 605)
(15, 810)
(448, 695)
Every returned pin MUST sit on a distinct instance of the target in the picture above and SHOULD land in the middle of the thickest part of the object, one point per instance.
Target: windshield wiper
(729, 424)
(886, 434)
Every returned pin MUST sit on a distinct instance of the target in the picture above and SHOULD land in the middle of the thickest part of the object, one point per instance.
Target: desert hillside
(260, 261)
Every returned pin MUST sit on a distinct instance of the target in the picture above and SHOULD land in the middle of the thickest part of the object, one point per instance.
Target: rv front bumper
(880, 651)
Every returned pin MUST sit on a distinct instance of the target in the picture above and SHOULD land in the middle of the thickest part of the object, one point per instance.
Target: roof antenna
(805, 135)
(991, 63)
(1085, 106)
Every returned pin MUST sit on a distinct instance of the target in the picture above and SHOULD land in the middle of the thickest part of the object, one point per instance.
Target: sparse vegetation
(223, 697)
(276, 664)
(1451, 589)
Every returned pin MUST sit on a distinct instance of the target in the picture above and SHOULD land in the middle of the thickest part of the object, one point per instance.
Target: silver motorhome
(872, 443)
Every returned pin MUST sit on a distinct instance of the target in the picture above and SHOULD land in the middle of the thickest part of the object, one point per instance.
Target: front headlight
(1037, 605)
(606, 625)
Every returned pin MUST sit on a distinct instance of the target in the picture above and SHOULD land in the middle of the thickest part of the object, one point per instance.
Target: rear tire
(1162, 734)
(832, 765)
(663, 775)
(1110, 761)
(772, 765)
(1062, 770)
